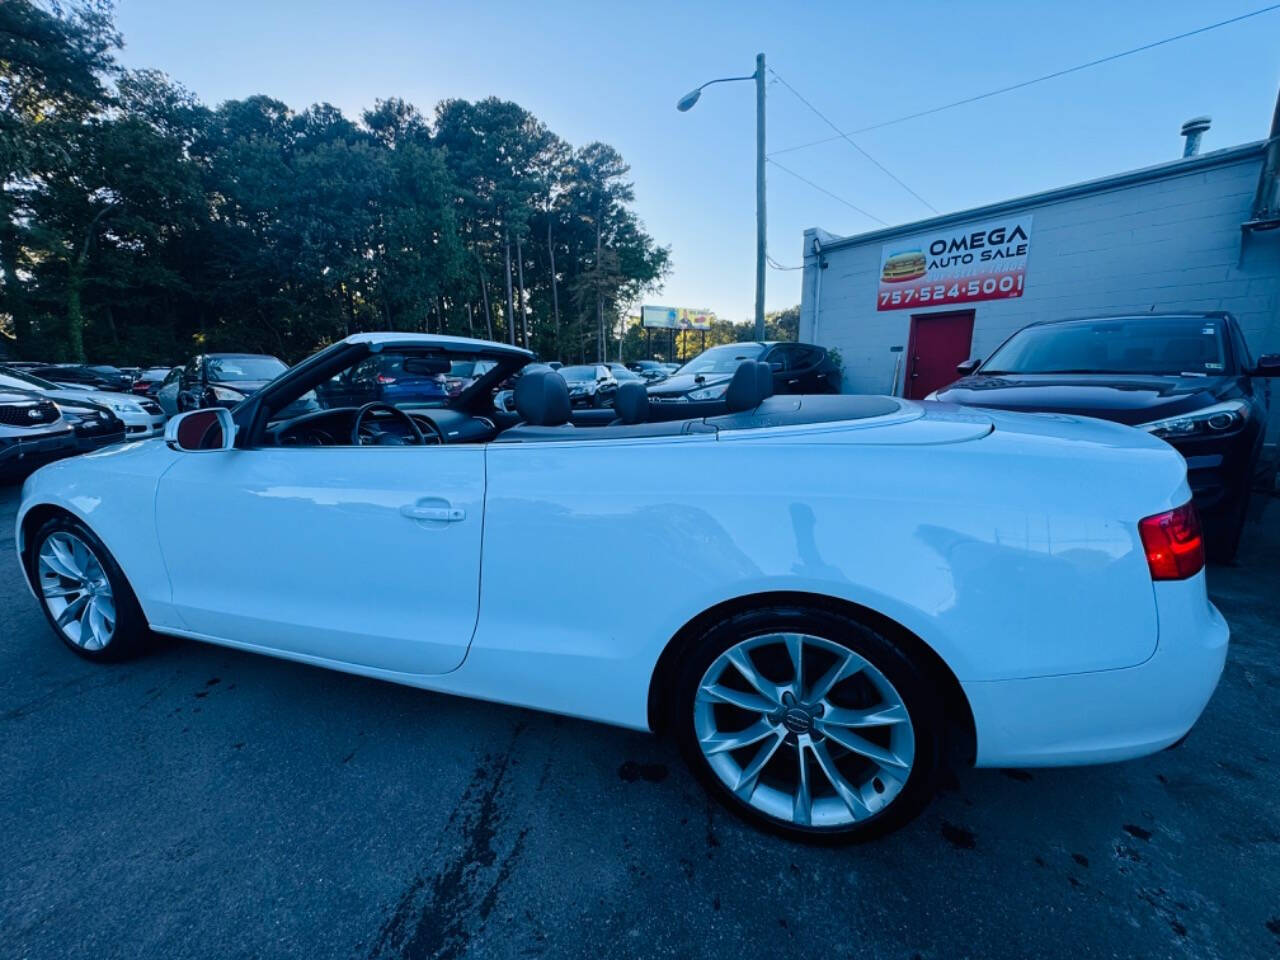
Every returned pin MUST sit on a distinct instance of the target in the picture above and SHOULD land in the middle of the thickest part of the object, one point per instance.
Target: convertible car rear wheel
(83, 592)
(809, 723)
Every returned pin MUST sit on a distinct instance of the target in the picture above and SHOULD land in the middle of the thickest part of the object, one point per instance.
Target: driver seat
(542, 399)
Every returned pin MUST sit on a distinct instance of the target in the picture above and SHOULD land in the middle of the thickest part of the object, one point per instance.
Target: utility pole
(511, 312)
(760, 197)
(524, 317)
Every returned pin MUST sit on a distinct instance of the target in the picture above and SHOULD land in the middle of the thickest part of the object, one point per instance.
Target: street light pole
(684, 104)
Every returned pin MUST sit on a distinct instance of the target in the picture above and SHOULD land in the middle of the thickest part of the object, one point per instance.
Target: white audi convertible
(826, 595)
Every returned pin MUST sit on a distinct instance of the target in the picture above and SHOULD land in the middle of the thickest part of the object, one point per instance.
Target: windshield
(231, 369)
(578, 373)
(24, 381)
(1165, 345)
(407, 379)
(723, 359)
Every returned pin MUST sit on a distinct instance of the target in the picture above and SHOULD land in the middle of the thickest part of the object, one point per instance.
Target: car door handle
(447, 514)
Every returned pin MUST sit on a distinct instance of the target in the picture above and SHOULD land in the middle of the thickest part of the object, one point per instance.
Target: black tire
(918, 693)
(131, 635)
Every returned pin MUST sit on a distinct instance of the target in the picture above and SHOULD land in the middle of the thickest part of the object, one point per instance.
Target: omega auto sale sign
(987, 261)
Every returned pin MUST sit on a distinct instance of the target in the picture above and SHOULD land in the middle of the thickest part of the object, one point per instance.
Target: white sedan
(142, 416)
(826, 594)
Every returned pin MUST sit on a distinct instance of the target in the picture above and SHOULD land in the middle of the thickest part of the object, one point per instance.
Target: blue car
(385, 378)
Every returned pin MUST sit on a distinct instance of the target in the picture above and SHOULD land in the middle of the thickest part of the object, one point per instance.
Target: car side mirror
(201, 430)
(1268, 365)
(966, 368)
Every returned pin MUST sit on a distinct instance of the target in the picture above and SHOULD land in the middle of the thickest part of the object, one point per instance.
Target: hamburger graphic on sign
(902, 266)
(964, 264)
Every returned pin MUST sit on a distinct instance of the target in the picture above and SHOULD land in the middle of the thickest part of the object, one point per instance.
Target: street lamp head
(688, 100)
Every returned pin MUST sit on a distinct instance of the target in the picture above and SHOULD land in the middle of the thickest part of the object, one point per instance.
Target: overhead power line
(850, 141)
(1026, 83)
(851, 206)
(778, 266)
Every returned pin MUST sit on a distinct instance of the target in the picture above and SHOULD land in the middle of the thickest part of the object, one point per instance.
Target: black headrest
(764, 374)
(631, 402)
(542, 398)
(744, 389)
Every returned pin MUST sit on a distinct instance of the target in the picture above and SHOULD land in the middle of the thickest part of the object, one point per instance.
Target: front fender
(112, 492)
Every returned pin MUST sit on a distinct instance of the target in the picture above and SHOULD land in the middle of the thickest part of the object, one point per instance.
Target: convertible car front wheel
(808, 723)
(84, 593)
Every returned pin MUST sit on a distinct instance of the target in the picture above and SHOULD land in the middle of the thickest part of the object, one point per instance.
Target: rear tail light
(384, 379)
(1173, 542)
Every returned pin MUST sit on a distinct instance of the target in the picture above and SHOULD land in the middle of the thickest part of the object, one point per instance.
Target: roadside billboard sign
(676, 318)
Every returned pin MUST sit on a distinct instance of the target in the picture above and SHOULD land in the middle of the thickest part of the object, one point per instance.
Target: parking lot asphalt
(203, 802)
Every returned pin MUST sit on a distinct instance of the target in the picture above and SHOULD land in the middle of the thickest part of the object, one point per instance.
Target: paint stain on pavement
(442, 907)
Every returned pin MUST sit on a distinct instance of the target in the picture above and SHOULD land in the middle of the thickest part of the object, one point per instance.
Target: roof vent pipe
(1193, 130)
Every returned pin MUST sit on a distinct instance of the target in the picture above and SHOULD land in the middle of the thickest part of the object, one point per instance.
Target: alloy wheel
(804, 730)
(76, 591)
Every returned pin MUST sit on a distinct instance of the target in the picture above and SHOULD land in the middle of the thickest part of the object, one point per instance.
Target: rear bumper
(1111, 714)
(144, 427)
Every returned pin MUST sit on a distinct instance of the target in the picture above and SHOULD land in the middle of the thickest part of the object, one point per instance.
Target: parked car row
(795, 367)
(48, 411)
(34, 429)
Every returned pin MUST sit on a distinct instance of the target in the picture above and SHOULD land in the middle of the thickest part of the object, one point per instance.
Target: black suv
(1187, 378)
(797, 368)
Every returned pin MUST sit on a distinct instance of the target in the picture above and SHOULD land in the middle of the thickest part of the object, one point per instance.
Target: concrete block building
(903, 305)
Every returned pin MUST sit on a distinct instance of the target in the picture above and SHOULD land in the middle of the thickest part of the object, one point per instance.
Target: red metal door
(938, 342)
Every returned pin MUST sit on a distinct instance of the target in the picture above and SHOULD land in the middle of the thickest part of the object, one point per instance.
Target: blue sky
(613, 72)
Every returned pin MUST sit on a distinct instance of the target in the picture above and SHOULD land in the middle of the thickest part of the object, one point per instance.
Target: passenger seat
(542, 399)
(631, 403)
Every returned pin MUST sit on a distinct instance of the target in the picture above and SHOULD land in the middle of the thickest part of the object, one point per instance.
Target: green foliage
(137, 224)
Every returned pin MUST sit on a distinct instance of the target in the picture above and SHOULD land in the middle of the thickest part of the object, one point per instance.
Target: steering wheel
(389, 439)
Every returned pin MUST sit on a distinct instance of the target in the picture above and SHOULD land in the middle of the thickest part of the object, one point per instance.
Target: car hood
(677, 386)
(13, 395)
(1124, 398)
